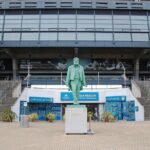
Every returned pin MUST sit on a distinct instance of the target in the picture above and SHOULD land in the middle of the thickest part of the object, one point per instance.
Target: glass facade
(74, 25)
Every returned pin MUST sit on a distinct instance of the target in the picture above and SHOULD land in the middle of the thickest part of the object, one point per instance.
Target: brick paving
(51, 136)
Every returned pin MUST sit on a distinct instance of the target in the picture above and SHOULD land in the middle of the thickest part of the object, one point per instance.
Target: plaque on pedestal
(76, 119)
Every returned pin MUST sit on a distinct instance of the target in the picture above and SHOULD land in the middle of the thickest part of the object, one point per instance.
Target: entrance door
(41, 111)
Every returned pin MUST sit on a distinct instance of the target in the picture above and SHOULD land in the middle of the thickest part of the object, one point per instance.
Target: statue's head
(76, 61)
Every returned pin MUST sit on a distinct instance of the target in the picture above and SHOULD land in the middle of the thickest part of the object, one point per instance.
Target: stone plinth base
(76, 119)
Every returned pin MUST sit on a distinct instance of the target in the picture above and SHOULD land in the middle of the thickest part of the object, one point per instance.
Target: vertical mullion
(112, 13)
(148, 25)
(94, 27)
(130, 25)
(3, 26)
(21, 25)
(58, 25)
(76, 25)
(39, 26)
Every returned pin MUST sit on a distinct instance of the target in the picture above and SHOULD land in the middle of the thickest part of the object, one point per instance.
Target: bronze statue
(75, 79)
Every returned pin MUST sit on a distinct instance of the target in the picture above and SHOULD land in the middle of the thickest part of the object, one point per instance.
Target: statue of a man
(75, 79)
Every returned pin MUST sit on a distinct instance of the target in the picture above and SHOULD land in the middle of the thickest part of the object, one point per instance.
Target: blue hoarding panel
(40, 99)
(83, 96)
(115, 98)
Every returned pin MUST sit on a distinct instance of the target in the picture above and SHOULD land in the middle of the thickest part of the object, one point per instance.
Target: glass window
(104, 27)
(67, 21)
(30, 36)
(121, 17)
(48, 36)
(105, 17)
(67, 26)
(103, 21)
(11, 27)
(13, 21)
(49, 16)
(140, 36)
(67, 36)
(67, 17)
(0, 36)
(85, 16)
(122, 36)
(49, 21)
(1, 17)
(48, 26)
(1, 27)
(104, 37)
(138, 17)
(84, 26)
(11, 36)
(13, 17)
(85, 36)
(31, 17)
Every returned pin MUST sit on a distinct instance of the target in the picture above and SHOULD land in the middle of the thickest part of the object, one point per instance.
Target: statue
(75, 79)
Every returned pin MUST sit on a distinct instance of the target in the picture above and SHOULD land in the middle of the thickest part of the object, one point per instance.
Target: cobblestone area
(51, 136)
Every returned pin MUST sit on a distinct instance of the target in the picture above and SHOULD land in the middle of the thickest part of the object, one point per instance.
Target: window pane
(105, 17)
(67, 26)
(85, 36)
(13, 17)
(85, 16)
(11, 36)
(48, 36)
(140, 36)
(11, 27)
(48, 16)
(48, 21)
(29, 36)
(67, 16)
(67, 36)
(122, 36)
(0, 36)
(31, 17)
(104, 37)
(47, 26)
(1, 17)
(121, 17)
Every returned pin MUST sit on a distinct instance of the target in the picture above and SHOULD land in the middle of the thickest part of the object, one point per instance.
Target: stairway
(6, 90)
(145, 99)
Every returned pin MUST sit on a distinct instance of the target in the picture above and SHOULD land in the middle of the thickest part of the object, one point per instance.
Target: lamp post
(28, 76)
(124, 74)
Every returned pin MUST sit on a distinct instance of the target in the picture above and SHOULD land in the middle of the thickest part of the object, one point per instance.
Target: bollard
(24, 121)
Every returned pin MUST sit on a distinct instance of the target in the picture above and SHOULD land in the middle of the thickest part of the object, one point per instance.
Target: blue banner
(115, 98)
(83, 96)
(40, 99)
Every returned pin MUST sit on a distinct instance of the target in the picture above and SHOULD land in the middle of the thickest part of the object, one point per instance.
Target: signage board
(40, 99)
(115, 98)
(83, 96)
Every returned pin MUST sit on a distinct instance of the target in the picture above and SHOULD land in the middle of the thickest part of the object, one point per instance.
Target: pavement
(51, 136)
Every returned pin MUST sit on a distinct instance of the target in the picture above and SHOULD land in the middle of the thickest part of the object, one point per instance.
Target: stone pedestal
(76, 119)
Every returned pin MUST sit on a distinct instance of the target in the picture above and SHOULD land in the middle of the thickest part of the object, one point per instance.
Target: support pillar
(14, 67)
(136, 68)
(76, 50)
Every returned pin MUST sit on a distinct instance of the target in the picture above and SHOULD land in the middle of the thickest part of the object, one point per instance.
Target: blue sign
(115, 98)
(40, 99)
(83, 96)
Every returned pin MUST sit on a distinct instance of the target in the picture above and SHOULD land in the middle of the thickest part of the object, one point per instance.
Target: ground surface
(51, 136)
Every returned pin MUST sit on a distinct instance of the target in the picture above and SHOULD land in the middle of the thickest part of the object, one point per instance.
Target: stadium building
(38, 40)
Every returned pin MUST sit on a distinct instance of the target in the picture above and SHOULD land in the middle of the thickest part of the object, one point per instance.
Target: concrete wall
(103, 93)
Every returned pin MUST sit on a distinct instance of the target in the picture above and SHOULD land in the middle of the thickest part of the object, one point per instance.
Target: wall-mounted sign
(83, 96)
(40, 99)
(115, 98)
